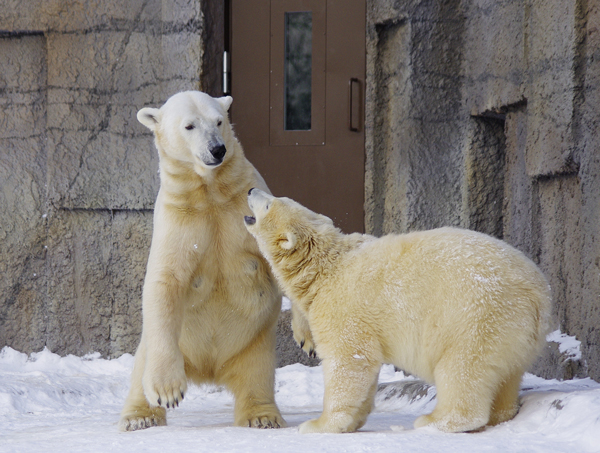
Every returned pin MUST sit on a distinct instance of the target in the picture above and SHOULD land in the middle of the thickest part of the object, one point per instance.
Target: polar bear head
(282, 226)
(192, 127)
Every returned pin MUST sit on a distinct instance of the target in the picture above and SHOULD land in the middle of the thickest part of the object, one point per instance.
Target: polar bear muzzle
(218, 152)
(259, 201)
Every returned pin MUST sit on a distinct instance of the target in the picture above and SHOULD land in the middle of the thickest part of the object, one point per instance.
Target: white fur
(210, 302)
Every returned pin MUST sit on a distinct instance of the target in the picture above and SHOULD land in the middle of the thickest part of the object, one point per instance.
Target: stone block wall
(408, 123)
(487, 114)
(78, 172)
(479, 113)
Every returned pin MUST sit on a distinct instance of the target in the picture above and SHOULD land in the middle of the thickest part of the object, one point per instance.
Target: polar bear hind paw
(342, 423)
(310, 426)
(310, 349)
(265, 418)
(451, 423)
(306, 343)
(165, 391)
(302, 333)
(142, 419)
(266, 422)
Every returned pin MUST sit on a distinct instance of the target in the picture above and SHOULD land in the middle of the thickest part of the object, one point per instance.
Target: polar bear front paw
(165, 389)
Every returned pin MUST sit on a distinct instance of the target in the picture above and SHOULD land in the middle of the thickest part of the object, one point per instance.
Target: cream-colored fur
(210, 302)
(458, 308)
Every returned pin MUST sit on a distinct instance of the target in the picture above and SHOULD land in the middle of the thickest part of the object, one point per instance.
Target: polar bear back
(428, 292)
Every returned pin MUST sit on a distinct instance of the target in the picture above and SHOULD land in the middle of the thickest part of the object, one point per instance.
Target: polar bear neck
(183, 186)
(301, 272)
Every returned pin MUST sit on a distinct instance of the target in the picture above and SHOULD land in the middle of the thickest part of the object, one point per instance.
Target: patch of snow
(54, 404)
(286, 304)
(568, 345)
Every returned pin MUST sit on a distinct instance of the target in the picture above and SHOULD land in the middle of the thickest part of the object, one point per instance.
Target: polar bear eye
(219, 122)
(189, 127)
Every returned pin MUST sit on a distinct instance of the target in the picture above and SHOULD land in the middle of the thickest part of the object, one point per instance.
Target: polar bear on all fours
(210, 302)
(460, 309)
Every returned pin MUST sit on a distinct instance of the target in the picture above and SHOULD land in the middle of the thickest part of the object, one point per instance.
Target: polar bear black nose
(218, 152)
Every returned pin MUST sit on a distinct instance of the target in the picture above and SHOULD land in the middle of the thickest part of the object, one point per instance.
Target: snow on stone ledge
(568, 345)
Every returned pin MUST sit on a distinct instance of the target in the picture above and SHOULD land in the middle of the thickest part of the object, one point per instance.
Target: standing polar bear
(458, 308)
(210, 303)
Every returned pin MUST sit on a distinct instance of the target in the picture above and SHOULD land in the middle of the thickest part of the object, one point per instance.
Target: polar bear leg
(506, 402)
(367, 405)
(137, 413)
(350, 387)
(464, 397)
(250, 376)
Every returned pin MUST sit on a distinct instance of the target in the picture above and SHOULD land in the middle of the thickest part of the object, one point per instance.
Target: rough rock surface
(483, 114)
(79, 174)
(480, 113)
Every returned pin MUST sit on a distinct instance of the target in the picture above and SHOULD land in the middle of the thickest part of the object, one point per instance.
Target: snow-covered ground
(51, 403)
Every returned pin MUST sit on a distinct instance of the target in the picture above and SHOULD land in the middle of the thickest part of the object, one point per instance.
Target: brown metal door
(298, 83)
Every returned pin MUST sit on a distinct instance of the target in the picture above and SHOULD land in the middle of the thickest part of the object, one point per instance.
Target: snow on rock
(567, 345)
(51, 403)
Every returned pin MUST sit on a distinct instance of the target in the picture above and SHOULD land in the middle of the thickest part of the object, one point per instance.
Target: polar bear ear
(289, 241)
(225, 102)
(149, 117)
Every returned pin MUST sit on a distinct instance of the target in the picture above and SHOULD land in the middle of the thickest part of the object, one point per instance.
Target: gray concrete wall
(483, 114)
(79, 174)
(77, 171)
(479, 113)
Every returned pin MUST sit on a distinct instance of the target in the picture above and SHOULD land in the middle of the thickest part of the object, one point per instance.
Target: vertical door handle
(352, 91)
(225, 72)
